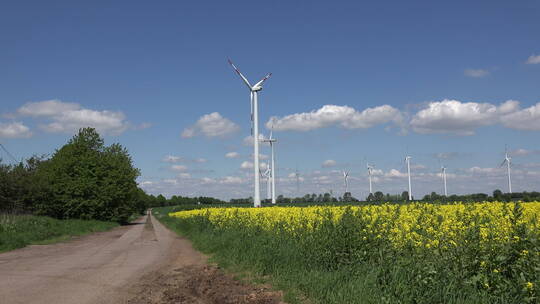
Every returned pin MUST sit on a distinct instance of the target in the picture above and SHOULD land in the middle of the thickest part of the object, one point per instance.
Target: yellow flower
(529, 285)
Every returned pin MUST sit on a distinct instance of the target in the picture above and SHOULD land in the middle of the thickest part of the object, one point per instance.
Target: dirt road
(139, 263)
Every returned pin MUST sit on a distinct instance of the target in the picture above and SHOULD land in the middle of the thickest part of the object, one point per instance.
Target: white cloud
(485, 171)
(526, 119)
(344, 116)
(172, 159)
(68, 117)
(232, 155)
(523, 152)
(246, 165)
(460, 118)
(329, 163)
(170, 181)
(200, 160)
(14, 130)
(476, 73)
(418, 167)
(249, 165)
(533, 59)
(248, 140)
(47, 108)
(178, 168)
(184, 175)
(231, 180)
(393, 173)
(211, 125)
(207, 180)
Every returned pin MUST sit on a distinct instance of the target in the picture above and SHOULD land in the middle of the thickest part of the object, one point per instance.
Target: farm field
(481, 252)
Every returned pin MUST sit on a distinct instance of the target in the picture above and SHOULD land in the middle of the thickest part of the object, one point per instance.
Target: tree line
(84, 179)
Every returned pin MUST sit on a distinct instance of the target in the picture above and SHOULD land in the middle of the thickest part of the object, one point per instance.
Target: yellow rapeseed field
(417, 224)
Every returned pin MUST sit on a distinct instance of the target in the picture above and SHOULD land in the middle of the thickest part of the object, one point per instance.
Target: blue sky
(448, 83)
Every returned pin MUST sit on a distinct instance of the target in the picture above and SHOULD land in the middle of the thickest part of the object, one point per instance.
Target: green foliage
(21, 186)
(89, 180)
(17, 231)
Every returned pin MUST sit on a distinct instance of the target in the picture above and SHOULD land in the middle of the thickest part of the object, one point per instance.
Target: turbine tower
(271, 141)
(443, 173)
(508, 162)
(255, 129)
(345, 177)
(408, 160)
(370, 172)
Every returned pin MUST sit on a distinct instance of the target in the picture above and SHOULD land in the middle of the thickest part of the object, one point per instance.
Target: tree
(370, 197)
(405, 195)
(497, 194)
(379, 196)
(88, 180)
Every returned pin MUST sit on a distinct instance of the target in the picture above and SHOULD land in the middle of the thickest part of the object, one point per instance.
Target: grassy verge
(17, 231)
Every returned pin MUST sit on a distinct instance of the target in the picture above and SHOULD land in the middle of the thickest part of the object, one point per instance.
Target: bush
(88, 180)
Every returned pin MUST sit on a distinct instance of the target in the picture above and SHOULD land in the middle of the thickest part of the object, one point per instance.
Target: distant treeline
(83, 179)
(175, 200)
(379, 197)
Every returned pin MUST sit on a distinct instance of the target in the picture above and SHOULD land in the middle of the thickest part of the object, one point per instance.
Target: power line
(7, 152)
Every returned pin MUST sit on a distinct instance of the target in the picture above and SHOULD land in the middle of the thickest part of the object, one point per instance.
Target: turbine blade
(239, 74)
(263, 80)
(504, 161)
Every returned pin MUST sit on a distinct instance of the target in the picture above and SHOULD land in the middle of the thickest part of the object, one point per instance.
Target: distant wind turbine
(508, 162)
(255, 128)
(443, 173)
(345, 177)
(370, 172)
(408, 160)
(271, 141)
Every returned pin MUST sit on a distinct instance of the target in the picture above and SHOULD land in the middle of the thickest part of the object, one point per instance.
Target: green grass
(17, 231)
(333, 266)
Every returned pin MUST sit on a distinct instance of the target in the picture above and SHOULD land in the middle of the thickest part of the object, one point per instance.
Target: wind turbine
(255, 128)
(443, 173)
(345, 177)
(271, 141)
(370, 172)
(408, 160)
(508, 162)
(268, 174)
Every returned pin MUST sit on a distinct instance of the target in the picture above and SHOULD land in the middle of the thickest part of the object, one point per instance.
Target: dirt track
(139, 263)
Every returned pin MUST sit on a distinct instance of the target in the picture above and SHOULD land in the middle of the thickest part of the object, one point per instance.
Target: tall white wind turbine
(370, 172)
(254, 89)
(443, 173)
(408, 160)
(271, 141)
(508, 162)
